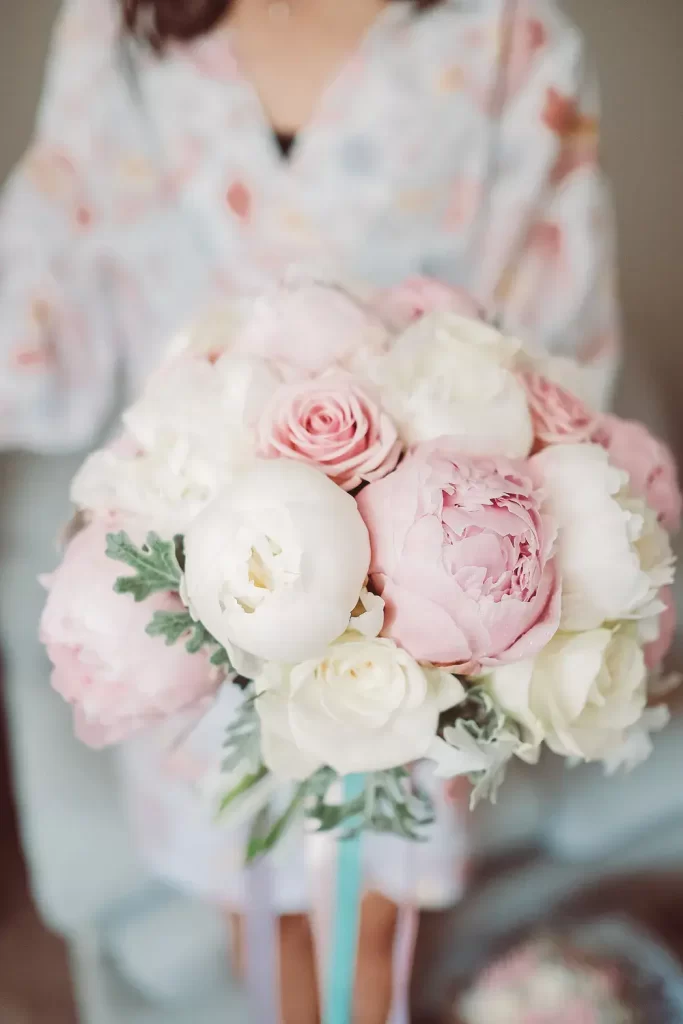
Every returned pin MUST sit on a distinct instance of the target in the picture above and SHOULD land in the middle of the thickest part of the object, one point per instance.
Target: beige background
(638, 45)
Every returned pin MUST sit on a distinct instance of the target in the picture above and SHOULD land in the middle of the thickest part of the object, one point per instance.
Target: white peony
(581, 694)
(364, 706)
(215, 332)
(164, 491)
(367, 618)
(614, 556)
(449, 375)
(190, 431)
(275, 565)
(197, 399)
(637, 745)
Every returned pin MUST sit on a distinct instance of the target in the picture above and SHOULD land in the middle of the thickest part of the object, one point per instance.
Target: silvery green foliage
(481, 727)
(242, 766)
(156, 564)
(158, 569)
(242, 743)
(390, 802)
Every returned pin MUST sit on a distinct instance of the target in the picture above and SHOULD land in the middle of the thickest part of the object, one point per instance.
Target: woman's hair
(159, 21)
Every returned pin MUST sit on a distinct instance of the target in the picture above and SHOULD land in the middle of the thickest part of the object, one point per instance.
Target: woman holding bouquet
(188, 150)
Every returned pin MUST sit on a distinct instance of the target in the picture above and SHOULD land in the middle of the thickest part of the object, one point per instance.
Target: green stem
(242, 787)
(258, 845)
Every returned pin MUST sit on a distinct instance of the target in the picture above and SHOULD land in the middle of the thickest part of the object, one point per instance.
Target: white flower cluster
(376, 518)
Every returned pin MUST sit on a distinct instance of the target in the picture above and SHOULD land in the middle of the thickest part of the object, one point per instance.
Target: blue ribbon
(341, 969)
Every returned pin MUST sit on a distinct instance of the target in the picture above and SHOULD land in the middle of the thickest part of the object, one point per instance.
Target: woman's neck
(291, 59)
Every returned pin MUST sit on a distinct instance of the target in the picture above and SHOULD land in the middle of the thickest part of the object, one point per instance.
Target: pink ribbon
(262, 967)
(404, 952)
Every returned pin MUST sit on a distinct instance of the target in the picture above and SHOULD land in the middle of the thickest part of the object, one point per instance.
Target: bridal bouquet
(374, 531)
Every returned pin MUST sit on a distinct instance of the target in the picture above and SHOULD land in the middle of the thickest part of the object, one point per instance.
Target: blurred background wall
(638, 46)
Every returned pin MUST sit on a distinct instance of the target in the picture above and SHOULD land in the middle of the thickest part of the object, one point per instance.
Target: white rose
(580, 695)
(190, 431)
(365, 705)
(614, 556)
(275, 565)
(449, 375)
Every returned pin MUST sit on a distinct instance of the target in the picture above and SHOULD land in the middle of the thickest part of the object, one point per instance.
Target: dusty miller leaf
(478, 724)
(390, 803)
(155, 562)
(174, 625)
(220, 657)
(242, 754)
(242, 743)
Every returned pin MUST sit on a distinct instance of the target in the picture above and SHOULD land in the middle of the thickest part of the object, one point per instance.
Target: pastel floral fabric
(152, 185)
(459, 144)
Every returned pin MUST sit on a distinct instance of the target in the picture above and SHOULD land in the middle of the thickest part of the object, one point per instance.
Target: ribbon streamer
(404, 950)
(323, 850)
(262, 966)
(406, 936)
(337, 885)
(342, 964)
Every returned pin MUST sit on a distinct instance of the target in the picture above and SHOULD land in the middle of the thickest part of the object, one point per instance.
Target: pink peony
(557, 416)
(462, 555)
(657, 650)
(648, 462)
(401, 306)
(307, 328)
(117, 678)
(333, 424)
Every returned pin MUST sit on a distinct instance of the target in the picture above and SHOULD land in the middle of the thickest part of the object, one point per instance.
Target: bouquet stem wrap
(336, 873)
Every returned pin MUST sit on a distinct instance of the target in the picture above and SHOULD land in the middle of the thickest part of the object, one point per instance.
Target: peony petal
(315, 525)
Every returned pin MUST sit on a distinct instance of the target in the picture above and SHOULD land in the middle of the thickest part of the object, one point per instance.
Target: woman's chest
(383, 160)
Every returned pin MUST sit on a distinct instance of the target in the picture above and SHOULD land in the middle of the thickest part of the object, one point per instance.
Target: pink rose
(657, 650)
(307, 328)
(332, 423)
(401, 306)
(117, 678)
(557, 416)
(462, 555)
(649, 463)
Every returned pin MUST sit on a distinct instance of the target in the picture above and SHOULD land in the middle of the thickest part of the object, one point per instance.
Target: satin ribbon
(262, 967)
(404, 953)
(325, 867)
(336, 872)
(341, 968)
